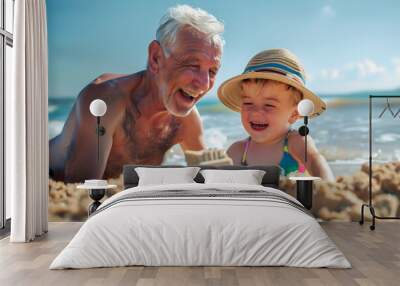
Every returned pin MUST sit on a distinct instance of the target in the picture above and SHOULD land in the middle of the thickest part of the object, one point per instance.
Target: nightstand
(96, 193)
(305, 189)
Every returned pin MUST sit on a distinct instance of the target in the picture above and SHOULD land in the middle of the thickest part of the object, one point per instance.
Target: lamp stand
(100, 131)
(303, 131)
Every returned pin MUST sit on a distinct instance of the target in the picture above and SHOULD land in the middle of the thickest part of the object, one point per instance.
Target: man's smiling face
(187, 70)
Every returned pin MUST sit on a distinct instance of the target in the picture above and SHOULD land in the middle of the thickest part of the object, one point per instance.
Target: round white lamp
(305, 107)
(98, 108)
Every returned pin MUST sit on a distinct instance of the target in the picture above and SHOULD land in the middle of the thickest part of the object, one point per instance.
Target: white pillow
(163, 176)
(249, 177)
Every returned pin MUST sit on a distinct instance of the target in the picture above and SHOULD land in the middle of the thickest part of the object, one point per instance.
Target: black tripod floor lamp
(369, 205)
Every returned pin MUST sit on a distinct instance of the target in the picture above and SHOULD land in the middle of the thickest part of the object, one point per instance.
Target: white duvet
(182, 231)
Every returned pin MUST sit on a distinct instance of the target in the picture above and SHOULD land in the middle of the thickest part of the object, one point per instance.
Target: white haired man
(149, 111)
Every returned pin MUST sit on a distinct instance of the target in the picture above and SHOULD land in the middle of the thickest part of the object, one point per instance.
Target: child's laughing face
(268, 110)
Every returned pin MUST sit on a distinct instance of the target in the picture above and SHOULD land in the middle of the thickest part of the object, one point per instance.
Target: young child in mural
(266, 95)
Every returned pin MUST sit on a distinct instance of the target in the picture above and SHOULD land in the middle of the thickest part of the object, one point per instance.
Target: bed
(201, 224)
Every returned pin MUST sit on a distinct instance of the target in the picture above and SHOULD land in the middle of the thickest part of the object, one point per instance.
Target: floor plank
(374, 255)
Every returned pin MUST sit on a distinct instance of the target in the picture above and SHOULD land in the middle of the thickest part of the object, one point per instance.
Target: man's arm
(316, 163)
(81, 160)
(191, 133)
(192, 143)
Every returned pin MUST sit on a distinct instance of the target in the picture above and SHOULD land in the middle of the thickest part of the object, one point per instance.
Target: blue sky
(345, 46)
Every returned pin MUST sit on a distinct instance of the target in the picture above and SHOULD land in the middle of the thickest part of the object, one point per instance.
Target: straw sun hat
(275, 64)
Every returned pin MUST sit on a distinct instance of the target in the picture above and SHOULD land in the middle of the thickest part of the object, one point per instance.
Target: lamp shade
(98, 107)
(305, 107)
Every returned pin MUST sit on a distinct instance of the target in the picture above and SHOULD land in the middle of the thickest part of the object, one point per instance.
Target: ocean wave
(356, 161)
(55, 127)
(215, 138)
(174, 156)
(388, 137)
(205, 117)
(342, 154)
(52, 108)
(216, 107)
(356, 129)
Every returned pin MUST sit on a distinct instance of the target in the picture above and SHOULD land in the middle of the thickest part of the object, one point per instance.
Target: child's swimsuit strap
(246, 148)
(288, 163)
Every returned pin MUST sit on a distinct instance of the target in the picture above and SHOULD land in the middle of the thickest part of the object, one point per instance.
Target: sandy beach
(340, 200)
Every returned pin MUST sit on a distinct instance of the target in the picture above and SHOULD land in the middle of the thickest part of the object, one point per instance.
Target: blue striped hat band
(284, 68)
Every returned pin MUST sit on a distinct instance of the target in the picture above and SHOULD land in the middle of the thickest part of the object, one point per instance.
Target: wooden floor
(375, 257)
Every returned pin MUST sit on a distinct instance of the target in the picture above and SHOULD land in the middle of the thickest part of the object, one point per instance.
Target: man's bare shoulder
(106, 77)
(100, 88)
(112, 88)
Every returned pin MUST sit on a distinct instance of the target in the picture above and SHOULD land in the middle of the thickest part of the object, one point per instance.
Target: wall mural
(125, 89)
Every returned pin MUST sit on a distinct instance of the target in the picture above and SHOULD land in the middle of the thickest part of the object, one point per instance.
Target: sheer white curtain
(26, 124)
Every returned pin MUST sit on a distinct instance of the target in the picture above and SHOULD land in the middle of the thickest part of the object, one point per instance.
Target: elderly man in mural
(149, 111)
